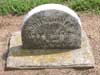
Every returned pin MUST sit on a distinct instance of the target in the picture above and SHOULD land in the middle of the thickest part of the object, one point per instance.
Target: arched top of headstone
(51, 7)
(51, 26)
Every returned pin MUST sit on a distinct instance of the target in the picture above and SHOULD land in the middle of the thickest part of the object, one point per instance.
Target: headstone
(51, 37)
(51, 28)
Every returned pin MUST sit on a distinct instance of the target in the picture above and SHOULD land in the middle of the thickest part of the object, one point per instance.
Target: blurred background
(20, 7)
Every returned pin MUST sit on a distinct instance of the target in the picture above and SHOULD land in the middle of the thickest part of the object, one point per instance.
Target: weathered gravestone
(51, 29)
(51, 36)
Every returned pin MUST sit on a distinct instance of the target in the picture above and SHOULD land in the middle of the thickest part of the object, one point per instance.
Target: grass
(85, 5)
(21, 7)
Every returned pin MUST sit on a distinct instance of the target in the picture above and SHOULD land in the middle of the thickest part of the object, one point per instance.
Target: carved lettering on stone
(51, 29)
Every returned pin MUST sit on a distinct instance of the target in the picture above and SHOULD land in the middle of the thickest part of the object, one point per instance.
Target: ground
(90, 23)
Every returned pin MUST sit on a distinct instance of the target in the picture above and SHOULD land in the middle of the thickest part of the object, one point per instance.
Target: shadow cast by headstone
(19, 51)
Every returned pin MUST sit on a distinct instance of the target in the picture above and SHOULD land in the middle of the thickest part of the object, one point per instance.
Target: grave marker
(51, 29)
(51, 37)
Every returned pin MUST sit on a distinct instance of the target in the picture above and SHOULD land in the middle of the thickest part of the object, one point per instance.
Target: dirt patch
(91, 24)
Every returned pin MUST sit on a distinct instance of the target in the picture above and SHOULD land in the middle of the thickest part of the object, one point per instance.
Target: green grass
(20, 7)
(85, 5)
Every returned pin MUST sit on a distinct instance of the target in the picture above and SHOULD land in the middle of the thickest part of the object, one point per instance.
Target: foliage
(85, 5)
(20, 7)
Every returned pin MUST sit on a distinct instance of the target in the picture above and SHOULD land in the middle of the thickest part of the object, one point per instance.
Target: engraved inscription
(51, 29)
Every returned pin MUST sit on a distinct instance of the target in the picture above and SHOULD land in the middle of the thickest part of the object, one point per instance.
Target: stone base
(23, 58)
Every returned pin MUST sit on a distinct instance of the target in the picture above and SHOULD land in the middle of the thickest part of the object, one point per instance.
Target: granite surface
(51, 29)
